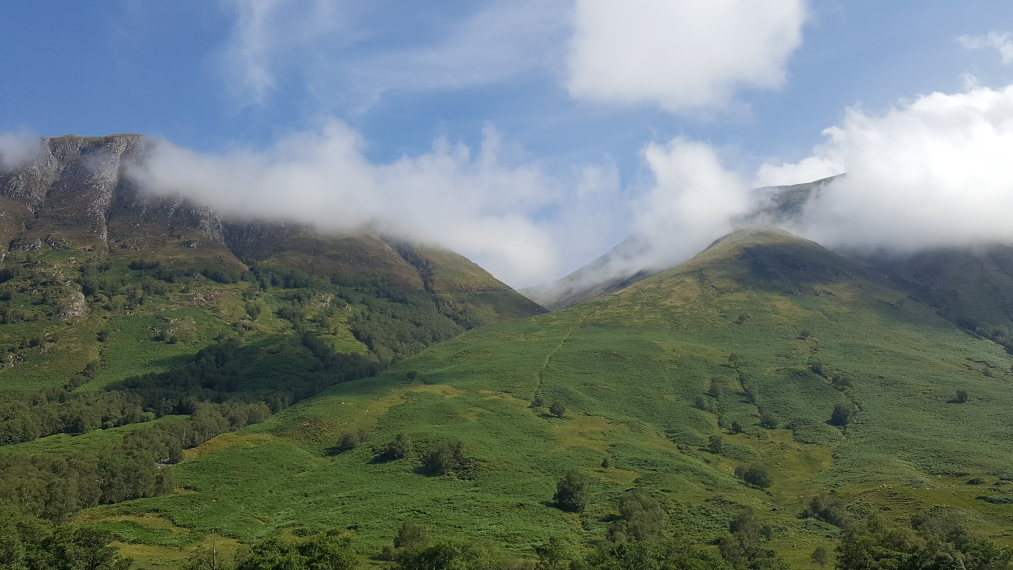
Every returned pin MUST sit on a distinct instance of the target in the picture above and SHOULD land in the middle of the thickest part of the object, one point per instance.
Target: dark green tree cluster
(745, 549)
(641, 517)
(56, 487)
(31, 544)
(447, 457)
(934, 540)
(28, 417)
(755, 475)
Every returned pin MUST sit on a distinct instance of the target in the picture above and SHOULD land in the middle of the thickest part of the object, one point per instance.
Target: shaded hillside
(765, 354)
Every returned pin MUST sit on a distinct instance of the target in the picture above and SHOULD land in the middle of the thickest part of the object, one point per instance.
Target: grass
(629, 369)
(769, 320)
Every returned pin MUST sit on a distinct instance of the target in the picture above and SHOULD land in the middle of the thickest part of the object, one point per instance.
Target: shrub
(557, 409)
(843, 414)
(571, 492)
(398, 448)
(755, 476)
(410, 535)
(715, 444)
(641, 517)
(446, 458)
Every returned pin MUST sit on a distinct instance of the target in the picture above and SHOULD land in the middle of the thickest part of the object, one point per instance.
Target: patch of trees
(42, 414)
(446, 458)
(219, 272)
(745, 547)
(27, 543)
(934, 540)
(56, 487)
(641, 517)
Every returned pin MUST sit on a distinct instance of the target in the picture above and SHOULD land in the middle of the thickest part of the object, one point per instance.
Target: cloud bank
(680, 55)
(493, 204)
(932, 171)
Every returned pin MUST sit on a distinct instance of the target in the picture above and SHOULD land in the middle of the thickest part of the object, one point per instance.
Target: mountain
(766, 358)
(628, 262)
(78, 236)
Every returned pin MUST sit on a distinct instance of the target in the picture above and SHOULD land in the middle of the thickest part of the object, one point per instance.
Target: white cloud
(502, 40)
(1002, 42)
(266, 36)
(692, 202)
(933, 171)
(16, 148)
(330, 47)
(492, 204)
(807, 170)
(680, 54)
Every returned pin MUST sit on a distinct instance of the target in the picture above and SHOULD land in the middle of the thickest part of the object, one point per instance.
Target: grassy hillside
(755, 342)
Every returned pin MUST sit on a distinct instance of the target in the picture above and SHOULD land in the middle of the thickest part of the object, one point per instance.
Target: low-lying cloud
(932, 171)
(493, 204)
(680, 55)
(17, 148)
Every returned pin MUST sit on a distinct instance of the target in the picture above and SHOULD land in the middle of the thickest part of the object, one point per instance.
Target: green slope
(761, 323)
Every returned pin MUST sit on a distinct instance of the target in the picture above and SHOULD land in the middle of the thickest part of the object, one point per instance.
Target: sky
(534, 135)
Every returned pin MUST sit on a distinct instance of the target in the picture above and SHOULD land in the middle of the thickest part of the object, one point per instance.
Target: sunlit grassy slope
(762, 320)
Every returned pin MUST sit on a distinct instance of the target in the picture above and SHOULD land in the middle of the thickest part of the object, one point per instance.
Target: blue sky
(237, 78)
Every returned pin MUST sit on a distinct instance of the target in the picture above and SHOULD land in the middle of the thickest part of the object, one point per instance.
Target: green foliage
(641, 517)
(331, 550)
(962, 397)
(557, 409)
(448, 457)
(398, 448)
(572, 492)
(652, 555)
(829, 509)
(715, 444)
(754, 475)
(410, 535)
(449, 556)
(844, 413)
(28, 544)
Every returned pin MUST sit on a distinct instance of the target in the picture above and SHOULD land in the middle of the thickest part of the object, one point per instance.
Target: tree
(755, 476)
(821, 556)
(843, 414)
(537, 402)
(571, 492)
(641, 517)
(329, 549)
(557, 409)
(398, 448)
(447, 457)
(206, 559)
(962, 397)
(769, 420)
(410, 535)
(715, 444)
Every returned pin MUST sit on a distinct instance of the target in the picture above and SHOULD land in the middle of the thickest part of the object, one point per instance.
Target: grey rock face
(77, 187)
